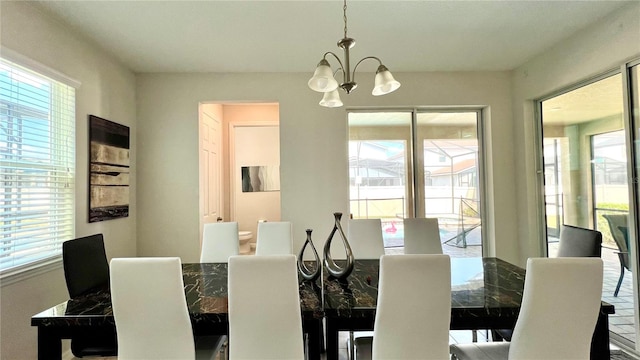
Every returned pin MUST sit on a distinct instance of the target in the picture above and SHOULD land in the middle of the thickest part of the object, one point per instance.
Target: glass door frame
(634, 203)
(409, 187)
(415, 187)
(539, 143)
(632, 158)
(419, 185)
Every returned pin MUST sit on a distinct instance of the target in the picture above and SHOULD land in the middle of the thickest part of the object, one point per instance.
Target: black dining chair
(86, 270)
(579, 242)
(574, 242)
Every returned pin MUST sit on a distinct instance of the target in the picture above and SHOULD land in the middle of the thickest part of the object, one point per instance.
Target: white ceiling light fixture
(323, 78)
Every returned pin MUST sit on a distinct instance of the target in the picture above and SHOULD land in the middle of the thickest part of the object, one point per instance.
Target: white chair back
(560, 306)
(365, 238)
(141, 289)
(264, 308)
(422, 236)
(274, 238)
(414, 307)
(219, 241)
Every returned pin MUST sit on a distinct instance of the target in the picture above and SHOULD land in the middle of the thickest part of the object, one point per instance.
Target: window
(37, 167)
(418, 163)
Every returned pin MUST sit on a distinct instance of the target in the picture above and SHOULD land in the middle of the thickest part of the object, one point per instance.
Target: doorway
(246, 140)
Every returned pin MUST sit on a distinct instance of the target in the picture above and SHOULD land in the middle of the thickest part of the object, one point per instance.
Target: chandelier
(323, 79)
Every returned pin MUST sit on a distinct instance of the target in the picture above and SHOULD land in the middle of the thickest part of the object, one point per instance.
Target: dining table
(205, 286)
(486, 293)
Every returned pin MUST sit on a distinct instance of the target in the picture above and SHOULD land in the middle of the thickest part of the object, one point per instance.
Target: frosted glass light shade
(331, 99)
(322, 79)
(384, 83)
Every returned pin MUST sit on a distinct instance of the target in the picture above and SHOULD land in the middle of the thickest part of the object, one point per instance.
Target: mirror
(260, 178)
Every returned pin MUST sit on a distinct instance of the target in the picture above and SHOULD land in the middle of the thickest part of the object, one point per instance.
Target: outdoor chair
(619, 232)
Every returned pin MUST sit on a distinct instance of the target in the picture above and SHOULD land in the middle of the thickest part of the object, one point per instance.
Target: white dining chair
(265, 319)
(422, 236)
(365, 238)
(573, 242)
(274, 238)
(219, 241)
(413, 310)
(366, 241)
(559, 311)
(150, 310)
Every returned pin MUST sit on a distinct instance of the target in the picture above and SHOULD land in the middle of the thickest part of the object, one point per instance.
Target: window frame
(48, 263)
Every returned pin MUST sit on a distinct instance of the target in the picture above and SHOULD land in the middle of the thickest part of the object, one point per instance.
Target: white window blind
(37, 167)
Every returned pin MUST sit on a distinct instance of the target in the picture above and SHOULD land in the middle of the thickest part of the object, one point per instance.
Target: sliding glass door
(448, 167)
(418, 163)
(380, 170)
(632, 230)
(586, 149)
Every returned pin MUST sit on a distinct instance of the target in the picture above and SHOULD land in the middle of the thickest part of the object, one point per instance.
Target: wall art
(108, 170)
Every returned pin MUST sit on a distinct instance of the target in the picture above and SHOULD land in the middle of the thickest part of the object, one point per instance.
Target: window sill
(23, 273)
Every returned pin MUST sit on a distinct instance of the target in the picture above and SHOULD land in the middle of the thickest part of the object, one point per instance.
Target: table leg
(314, 334)
(600, 341)
(332, 340)
(49, 344)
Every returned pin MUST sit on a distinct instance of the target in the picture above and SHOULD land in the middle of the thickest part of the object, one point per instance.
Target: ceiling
(292, 36)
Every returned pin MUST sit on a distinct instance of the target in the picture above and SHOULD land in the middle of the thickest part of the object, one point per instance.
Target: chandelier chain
(344, 12)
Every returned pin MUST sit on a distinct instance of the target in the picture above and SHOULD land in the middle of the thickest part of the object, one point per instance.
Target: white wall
(598, 49)
(313, 148)
(267, 205)
(108, 91)
(254, 146)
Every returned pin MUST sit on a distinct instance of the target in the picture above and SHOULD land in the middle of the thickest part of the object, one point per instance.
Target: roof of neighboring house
(456, 169)
(391, 168)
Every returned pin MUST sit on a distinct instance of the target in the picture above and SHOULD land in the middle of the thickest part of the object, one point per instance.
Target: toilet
(245, 241)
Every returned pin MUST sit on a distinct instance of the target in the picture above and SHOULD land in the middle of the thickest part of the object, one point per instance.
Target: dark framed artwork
(108, 170)
(260, 178)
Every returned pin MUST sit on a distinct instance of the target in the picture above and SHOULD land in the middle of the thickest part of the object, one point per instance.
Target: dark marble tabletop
(485, 293)
(205, 289)
(481, 288)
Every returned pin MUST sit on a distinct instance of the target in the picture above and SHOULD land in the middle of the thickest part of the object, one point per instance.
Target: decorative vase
(334, 269)
(309, 274)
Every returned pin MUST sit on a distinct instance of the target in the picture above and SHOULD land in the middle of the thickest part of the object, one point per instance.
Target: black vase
(307, 273)
(334, 269)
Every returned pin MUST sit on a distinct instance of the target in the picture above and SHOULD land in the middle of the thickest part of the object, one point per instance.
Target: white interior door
(210, 164)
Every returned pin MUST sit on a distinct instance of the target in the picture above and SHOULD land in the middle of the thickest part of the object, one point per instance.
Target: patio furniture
(618, 226)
